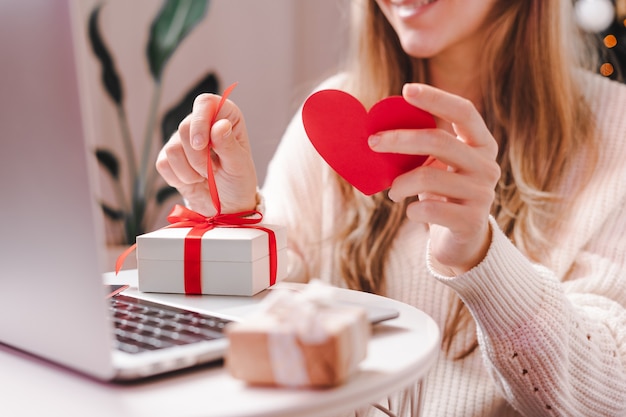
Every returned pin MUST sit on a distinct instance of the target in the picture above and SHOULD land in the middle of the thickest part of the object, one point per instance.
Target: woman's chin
(419, 48)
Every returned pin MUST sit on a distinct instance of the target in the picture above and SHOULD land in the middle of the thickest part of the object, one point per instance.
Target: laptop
(54, 304)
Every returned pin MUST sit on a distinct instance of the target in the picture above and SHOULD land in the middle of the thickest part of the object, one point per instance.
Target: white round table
(400, 353)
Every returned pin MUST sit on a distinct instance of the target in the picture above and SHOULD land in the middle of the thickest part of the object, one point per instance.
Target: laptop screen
(50, 241)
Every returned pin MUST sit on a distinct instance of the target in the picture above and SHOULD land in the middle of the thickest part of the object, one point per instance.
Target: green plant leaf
(112, 213)
(173, 22)
(165, 193)
(110, 78)
(173, 117)
(109, 161)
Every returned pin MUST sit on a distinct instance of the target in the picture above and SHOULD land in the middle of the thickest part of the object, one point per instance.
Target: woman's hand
(182, 162)
(457, 190)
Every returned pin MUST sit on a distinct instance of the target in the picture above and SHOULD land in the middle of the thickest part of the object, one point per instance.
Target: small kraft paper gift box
(299, 340)
(227, 260)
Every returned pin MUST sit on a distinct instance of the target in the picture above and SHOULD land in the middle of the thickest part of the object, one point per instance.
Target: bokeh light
(610, 41)
(607, 69)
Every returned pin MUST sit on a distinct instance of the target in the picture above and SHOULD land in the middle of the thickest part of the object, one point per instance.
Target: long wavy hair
(532, 103)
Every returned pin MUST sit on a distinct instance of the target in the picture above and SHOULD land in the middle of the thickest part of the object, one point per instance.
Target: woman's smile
(405, 9)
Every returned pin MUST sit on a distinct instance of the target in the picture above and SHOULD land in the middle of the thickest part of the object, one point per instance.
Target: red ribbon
(181, 216)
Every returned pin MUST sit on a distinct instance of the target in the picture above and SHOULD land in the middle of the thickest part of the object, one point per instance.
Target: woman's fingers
(196, 133)
(202, 114)
(457, 191)
(437, 143)
(469, 128)
(174, 163)
(231, 150)
(433, 181)
(193, 132)
(183, 161)
(468, 124)
(468, 151)
(173, 166)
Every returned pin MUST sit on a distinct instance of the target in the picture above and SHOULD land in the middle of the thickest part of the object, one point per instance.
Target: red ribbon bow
(181, 216)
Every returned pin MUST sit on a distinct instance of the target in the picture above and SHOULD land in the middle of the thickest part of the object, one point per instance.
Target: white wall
(277, 50)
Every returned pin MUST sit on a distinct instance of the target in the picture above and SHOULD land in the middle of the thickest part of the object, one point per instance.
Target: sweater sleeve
(554, 340)
(292, 183)
(553, 348)
(294, 191)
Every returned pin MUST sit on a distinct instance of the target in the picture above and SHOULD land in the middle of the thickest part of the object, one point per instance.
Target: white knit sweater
(552, 337)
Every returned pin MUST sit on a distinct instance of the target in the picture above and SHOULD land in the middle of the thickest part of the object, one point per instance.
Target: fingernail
(228, 132)
(197, 142)
(411, 90)
(373, 140)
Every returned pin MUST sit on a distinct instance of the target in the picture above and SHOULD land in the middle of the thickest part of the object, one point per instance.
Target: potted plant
(134, 206)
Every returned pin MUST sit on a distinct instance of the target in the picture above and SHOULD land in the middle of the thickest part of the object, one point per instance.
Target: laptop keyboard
(143, 326)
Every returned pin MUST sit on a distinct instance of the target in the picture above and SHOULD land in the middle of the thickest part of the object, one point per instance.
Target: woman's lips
(409, 8)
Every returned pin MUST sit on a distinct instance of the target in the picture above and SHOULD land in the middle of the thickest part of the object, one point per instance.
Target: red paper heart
(338, 126)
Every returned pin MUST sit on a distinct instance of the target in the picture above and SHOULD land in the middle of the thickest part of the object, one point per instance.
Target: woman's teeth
(405, 9)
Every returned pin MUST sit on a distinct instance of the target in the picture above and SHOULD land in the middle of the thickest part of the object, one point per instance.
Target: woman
(513, 241)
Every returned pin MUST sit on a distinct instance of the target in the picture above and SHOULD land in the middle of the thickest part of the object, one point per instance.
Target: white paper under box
(234, 260)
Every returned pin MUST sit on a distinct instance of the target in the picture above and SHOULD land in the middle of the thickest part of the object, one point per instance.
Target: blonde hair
(533, 105)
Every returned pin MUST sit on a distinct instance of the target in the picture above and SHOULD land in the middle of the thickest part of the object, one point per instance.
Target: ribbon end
(120, 259)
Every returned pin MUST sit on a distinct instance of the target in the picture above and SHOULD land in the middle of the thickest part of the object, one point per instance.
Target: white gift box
(234, 260)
